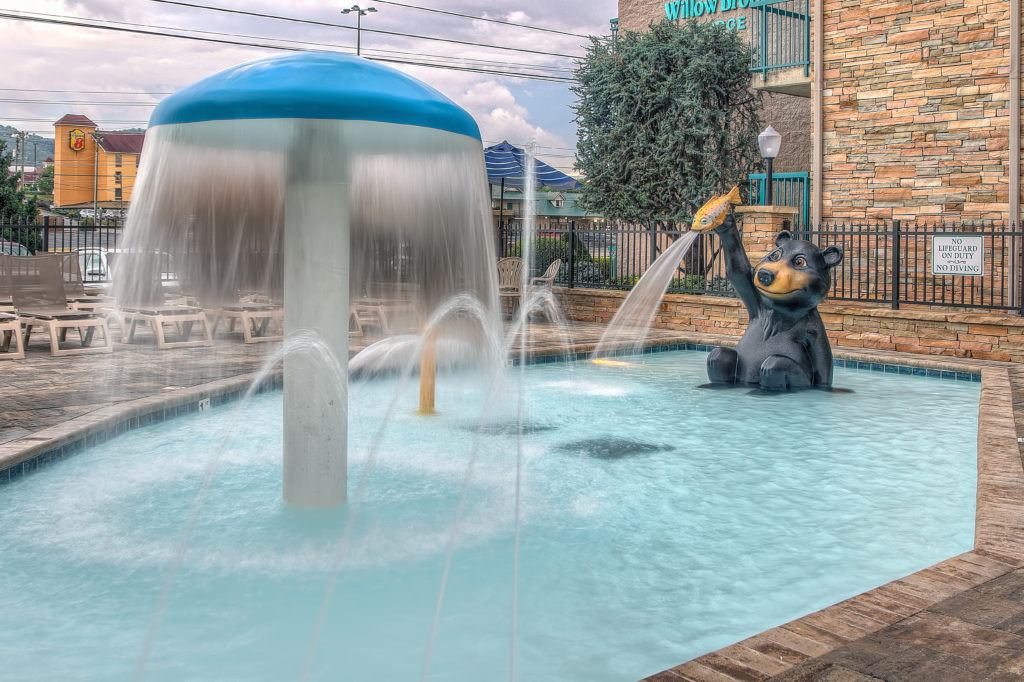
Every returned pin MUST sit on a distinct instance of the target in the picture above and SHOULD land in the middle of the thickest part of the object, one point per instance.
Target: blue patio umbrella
(506, 164)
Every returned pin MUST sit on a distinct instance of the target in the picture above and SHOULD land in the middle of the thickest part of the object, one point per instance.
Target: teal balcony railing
(788, 189)
(781, 35)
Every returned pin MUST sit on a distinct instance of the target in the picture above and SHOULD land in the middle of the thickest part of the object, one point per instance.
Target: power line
(315, 22)
(348, 48)
(479, 18)
(85, 92)
(50, 120)
(69, 21)
(524, 145)
(86, 102)
(383, 51)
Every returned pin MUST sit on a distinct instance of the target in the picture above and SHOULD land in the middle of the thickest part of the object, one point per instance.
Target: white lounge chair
(145, 304)
(37, 289)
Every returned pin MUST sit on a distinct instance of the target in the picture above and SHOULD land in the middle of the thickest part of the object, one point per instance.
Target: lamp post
(769, 142)
(360, 13)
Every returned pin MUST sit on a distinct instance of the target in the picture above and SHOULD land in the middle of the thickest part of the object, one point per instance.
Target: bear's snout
(765, 277)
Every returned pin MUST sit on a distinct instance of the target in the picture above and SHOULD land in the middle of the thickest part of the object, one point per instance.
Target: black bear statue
(784, 346)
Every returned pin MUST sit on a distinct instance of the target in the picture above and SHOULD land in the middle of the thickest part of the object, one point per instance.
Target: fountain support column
(316, 298)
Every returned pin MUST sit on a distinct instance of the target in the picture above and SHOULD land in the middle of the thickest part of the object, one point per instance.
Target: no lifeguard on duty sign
(958, 254)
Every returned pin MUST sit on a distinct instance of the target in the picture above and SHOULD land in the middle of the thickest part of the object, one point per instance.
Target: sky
(83, 65)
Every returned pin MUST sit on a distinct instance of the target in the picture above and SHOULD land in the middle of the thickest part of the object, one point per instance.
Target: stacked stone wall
(977, 335)
(915, 108)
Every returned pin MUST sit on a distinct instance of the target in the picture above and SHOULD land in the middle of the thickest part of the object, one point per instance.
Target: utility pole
(95, 179)
(360, 13)
(19, 151)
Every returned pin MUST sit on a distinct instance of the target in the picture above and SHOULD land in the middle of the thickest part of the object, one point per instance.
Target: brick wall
(982, 336)
(915, 108)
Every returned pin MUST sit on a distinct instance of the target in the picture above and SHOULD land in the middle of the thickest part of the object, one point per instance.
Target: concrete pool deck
(960, 619)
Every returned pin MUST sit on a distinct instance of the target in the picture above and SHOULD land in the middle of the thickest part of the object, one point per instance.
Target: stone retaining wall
(975, 335)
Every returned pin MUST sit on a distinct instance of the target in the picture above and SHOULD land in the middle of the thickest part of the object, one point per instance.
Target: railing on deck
(613, 255)
(788, 189)
(780, 35)
(890, 262)
(885, 262)
(93, 241)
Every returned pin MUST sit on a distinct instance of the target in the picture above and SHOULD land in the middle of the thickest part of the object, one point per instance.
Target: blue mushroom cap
(315, 85)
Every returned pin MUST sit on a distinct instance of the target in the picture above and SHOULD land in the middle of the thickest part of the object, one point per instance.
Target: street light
(360, 13)
(769, 142)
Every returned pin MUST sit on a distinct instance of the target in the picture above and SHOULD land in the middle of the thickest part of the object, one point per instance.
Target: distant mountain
(36, 148)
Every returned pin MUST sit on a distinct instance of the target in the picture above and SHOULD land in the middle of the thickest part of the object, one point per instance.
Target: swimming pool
(658, 521)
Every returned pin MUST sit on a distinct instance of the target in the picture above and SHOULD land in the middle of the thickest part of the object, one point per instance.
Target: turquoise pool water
(659, 521)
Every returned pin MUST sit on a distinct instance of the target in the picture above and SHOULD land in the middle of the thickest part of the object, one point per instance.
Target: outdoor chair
(6, 295)
(37, 290)
(258, 322)
(10, 328)
(79, 298)
(247, 300)
(510, 282)
(145, 303)
(547, 280)
(388, 306)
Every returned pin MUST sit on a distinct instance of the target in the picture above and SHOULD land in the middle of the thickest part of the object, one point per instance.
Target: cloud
(75, 59)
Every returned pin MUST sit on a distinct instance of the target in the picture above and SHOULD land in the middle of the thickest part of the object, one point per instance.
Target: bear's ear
(832, 255)
(783, 237)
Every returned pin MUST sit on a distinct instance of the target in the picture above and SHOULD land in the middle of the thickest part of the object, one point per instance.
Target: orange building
(93, 167)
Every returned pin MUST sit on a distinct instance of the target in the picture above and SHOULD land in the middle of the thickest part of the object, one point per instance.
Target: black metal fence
(893, 262)
(886, 262)
(611, 255)
(93, 240)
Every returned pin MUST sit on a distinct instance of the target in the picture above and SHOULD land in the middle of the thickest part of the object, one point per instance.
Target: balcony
(781, 38)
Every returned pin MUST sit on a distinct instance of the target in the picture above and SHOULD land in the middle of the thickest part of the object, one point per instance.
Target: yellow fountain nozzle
(713, 213)
(608, 362)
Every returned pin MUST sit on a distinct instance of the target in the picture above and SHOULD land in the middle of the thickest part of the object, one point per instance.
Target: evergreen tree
(45, 183)
(13, 203)
(666, 119)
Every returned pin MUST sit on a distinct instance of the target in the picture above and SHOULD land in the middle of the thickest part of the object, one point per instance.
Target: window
(117, 194)
(508, 205)
(558, 201)
(117, 178)
(117, 160)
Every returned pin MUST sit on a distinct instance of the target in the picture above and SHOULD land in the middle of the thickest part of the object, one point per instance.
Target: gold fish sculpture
(712, 214)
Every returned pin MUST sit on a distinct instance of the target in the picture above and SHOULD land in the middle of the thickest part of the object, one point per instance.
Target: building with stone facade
(897, 109)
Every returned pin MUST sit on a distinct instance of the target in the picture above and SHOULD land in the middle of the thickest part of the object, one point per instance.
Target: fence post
(654, 242)
(501, 238)
(572, 253)
(46, 236)
(896, 269)
(1016, 227)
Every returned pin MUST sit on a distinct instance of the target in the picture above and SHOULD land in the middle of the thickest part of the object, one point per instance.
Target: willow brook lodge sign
(695, 9)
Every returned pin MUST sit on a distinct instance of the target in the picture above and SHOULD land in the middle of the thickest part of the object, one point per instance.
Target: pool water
(658, 521)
